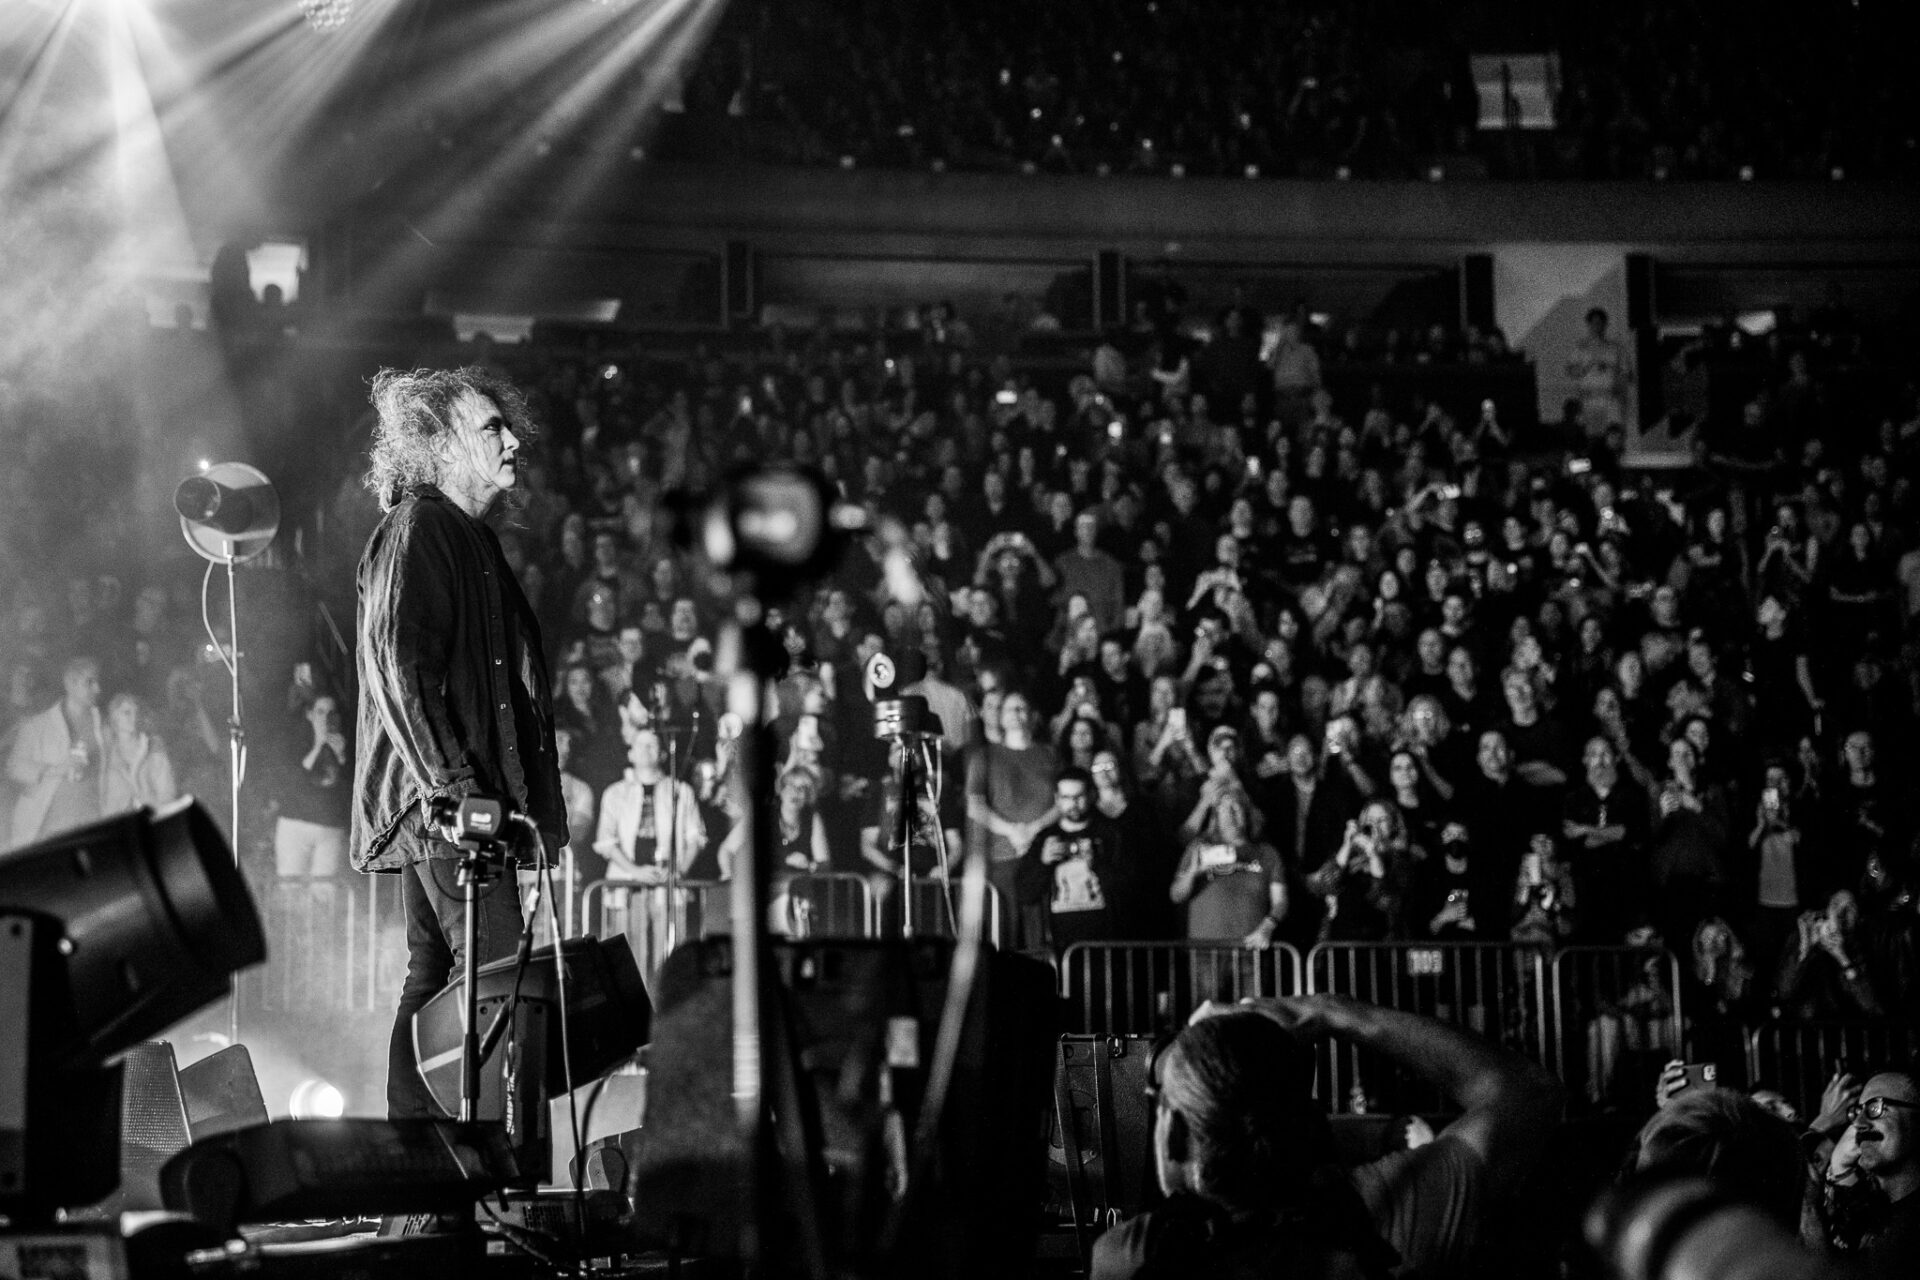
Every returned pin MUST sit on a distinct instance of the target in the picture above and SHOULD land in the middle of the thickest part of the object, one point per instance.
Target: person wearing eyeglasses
(1886, 1132)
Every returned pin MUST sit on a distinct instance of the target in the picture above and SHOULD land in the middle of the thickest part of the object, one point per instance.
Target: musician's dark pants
(436, 913)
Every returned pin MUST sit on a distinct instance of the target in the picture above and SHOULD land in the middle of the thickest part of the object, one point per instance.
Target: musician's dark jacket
(454, 694)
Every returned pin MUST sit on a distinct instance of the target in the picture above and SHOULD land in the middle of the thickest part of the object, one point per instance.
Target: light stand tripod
(229, 513)
(912, 731)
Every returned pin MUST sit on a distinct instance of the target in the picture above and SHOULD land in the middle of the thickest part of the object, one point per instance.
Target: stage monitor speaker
(1109, 289)
(153, 1129)
(222, 1093)
(1476, 291)
(608, 1014)
(862, 1017)
(1642, 305)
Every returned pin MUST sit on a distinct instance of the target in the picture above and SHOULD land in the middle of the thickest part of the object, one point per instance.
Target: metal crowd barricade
(933, 910)
(831, 904)
(1498, 990)
(699, 908)
(323, 951)
(1146, 988)
(1616, 1017)
(1798, 1058)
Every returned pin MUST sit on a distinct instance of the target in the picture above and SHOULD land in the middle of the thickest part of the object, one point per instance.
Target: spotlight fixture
(109, 933)
(315, 1099)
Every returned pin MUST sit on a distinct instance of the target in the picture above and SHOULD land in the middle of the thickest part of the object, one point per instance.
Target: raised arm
(1509, 1105)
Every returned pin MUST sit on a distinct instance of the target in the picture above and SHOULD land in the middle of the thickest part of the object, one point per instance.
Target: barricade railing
(933, 908)
(1798, 1058)
(1496, 989)
(699, 907)
(323, 952)
(1617, 1017)
(830, 904)
(1146, 988)
(564, 882)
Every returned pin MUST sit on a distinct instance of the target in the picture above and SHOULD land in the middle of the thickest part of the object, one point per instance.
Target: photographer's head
(1730, 1139)
(1233, 1120)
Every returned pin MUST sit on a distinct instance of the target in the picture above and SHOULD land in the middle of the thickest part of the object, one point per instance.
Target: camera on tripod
(898, 716)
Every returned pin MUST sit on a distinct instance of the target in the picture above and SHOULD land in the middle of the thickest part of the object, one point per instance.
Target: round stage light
(316, 1100)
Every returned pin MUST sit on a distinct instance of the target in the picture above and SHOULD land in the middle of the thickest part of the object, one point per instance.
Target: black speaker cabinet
(860, 1021)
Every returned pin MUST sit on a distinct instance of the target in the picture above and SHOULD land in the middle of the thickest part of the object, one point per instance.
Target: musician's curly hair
(415, 408)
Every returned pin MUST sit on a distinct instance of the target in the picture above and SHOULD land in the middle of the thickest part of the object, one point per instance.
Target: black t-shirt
(1087, 894)
(1301, 559)
(1546, 741)
(318, 793)
(1186, 1237)
(1894, 1251)
(1479, 913)
(1429, 1203)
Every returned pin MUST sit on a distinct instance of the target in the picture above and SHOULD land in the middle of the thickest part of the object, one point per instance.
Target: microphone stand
(779, 1218)
(476, 866)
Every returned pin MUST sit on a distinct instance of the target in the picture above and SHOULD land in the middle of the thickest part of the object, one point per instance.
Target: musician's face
(482, 451)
